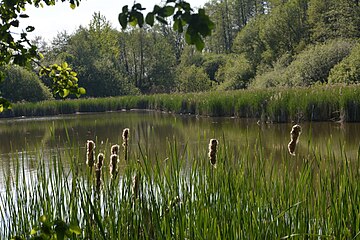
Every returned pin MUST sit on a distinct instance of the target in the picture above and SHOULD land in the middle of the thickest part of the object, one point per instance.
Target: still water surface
(153, 131)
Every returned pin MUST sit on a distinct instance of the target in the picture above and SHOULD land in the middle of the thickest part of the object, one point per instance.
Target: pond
(153, 131)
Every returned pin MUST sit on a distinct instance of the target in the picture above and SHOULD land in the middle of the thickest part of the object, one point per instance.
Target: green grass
(249, 195)
(318, 103)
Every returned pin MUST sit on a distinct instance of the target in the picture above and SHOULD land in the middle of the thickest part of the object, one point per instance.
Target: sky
(51, 20)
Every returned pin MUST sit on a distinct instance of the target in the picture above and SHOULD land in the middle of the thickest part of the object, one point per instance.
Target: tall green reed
(248, 195)
(318, 103)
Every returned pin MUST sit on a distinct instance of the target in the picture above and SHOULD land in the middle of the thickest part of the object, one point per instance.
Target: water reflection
(152, 130)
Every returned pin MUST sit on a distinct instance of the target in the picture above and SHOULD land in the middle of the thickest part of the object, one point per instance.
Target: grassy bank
(184, 196)
(318, 103)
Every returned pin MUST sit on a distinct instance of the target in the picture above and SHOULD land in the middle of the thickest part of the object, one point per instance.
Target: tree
(334, 18)
(21, 52)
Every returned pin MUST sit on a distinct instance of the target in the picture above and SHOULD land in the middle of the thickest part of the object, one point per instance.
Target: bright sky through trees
(49, 21)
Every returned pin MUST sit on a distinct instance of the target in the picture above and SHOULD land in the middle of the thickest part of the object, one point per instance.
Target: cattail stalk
(212, 151)
(295, 133)
(90, 153)
(125, 136)
(135, 187)
(98, 171)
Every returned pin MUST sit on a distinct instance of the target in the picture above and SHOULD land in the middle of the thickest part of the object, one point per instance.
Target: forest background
(255, 44)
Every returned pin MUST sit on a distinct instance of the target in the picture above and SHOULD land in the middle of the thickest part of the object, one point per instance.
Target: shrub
(23, 85)
(314, 63)
(235, 74)
(348, 70)
(193, 79)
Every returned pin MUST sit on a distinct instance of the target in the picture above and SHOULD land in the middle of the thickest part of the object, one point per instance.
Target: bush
(311, 66)
(23, 85)
(314, 63)
(193, 79)
(348, 70)
(235, 74)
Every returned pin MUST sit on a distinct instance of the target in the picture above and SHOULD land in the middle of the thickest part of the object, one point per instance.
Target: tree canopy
(22, 52)
(253, 44)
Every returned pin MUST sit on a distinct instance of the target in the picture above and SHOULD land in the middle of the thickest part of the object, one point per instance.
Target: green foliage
(348, 70)
(236, 73)
(19, 52)
(64, 79)
(331, 19)
(22, 85)
(249, 43)
(197, 25)
(192, 79)
(212, 63)
(47, 230)
(284, 29)
(311, 66)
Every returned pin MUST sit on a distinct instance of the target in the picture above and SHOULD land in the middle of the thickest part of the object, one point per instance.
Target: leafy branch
(196, 25)
(46, 229)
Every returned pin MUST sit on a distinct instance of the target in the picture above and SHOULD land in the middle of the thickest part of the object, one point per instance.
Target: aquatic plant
(295, 134)
(90, 153)
(212, 151)
(125, 136)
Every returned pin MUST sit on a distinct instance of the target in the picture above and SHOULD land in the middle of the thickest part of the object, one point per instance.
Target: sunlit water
(24, 139)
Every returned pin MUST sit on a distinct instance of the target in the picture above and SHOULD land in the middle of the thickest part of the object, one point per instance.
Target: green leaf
(82, 91)
(150, 19)
(178, 26)
(139, 18)
(33, 231)
(64, 65)
(199, 43)
(64, 93)
(125, 9)
(168, 11)
(30, 28)
(42, 219)
(23, 15)
(74, 228)
(123, 20)
(72, 6)
(14, 23)
(161, 20)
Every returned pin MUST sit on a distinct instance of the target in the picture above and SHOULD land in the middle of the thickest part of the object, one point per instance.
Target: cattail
(125, 136)
(115, 149)
(295, 133)
(98, 171)
(90, 153)
(212, 151)
(113, 165)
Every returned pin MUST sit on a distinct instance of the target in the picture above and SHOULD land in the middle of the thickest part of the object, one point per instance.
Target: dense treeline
(255, 44)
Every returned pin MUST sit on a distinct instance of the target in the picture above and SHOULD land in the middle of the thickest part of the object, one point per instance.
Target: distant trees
(254, 44)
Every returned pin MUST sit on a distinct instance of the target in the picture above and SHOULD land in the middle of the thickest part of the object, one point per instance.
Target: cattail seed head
(113, 165)
(212, 151)
(294, 133)
(90, 153)
(125, 137)
(115, 149)
(100, 161)
(125, 134)
(98, 171)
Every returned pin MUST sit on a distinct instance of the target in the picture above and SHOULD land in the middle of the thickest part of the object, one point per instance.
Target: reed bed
(318, 103)
(209, 194)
